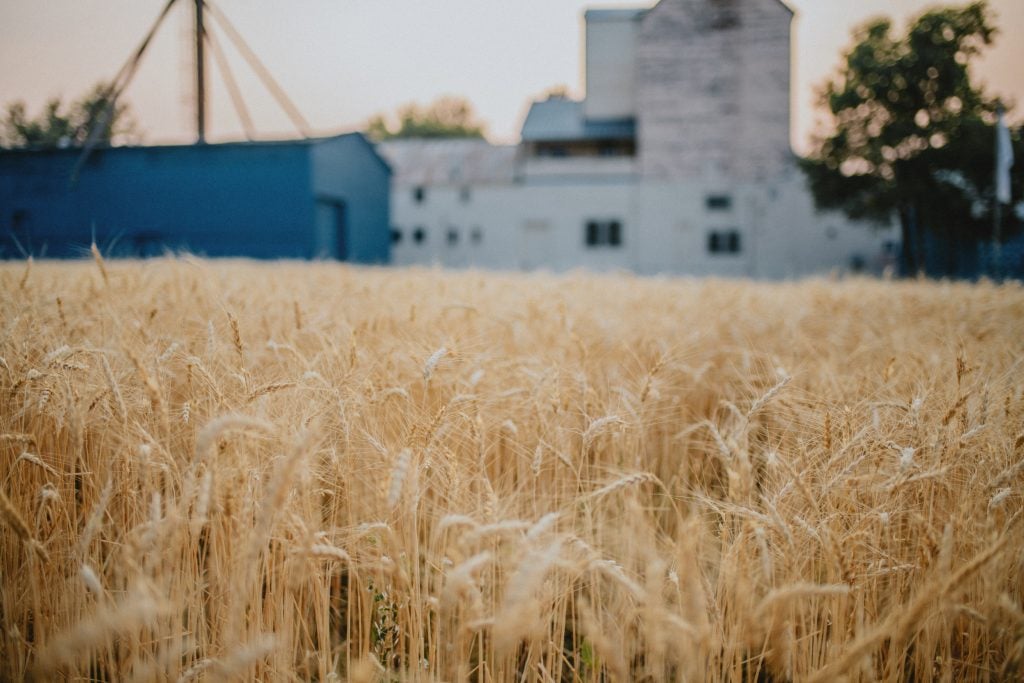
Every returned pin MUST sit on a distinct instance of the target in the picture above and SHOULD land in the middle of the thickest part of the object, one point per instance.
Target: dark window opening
(609, 147)
(419, 235)
(718, 202)
(732, 243)
(614, 233)
(603, 233)
(396, 236)
(419, 193)
(724, 242)
(453, 237)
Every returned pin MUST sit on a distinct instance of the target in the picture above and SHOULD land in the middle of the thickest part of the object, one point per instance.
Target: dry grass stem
(312, 471)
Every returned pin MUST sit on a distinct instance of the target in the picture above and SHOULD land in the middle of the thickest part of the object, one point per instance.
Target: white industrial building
(677, 161)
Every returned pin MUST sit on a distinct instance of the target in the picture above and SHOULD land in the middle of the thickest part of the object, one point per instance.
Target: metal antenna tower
(202, 37)
(200, 75)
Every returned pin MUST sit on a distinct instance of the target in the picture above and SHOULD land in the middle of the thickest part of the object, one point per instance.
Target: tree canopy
(66, 126)
(914, 135)
(446, 117)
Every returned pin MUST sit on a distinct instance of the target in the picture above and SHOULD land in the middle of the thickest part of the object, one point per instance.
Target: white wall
(665, 227)
(797, 240)
(712, 106)
(676, 225)
(522, 226)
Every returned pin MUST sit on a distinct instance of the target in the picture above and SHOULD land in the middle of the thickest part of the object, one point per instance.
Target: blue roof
(623, 14)
(73, 152)
(562, 120)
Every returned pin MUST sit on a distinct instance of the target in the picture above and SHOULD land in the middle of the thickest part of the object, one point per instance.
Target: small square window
(396, 236)
(419, 194)
(732, 243)
(614, 233)
(718, 202)
(603, 233)
(453, 237)
(419, 235)
(714, 242)
(724, 242)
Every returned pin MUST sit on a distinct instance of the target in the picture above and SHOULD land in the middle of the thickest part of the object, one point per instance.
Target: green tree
(70, 126)
(914, 136)
(446, 117)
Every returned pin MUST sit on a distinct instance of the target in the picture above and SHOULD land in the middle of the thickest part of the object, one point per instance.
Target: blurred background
(686, 136)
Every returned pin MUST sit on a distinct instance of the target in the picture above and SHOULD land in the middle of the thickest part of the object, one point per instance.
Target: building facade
(678, 160)
(317, 198)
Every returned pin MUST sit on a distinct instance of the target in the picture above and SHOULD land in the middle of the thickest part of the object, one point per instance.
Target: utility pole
(200, 76)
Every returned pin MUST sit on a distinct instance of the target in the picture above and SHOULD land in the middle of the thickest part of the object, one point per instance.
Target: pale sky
(341, 61)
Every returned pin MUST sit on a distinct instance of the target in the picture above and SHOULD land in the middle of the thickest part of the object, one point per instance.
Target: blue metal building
(315, 198)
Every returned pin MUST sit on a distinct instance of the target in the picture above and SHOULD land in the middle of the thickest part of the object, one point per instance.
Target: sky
(342, 61)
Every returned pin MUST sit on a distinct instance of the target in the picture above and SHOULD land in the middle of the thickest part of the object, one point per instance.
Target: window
(724, 242)
(476, 235)
(453, 237)
(419, 235)
(607, 233)
(614, 233)
(718, 202)
(419, 194)
(396, 236)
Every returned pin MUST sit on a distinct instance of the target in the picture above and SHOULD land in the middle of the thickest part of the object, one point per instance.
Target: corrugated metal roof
(216, 144)
(559, 119)
(614, 14)
(418, 161)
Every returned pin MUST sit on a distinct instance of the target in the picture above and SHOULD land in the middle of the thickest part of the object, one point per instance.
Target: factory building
(315, 198)
(677, 161)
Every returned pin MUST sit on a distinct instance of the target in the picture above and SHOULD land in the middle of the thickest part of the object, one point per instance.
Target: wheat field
(239, 471)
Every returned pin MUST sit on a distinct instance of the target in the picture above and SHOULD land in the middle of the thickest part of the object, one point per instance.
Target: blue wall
(348, 168)
(241, 199)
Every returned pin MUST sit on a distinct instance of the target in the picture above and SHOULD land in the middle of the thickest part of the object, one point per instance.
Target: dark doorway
(330, 240)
